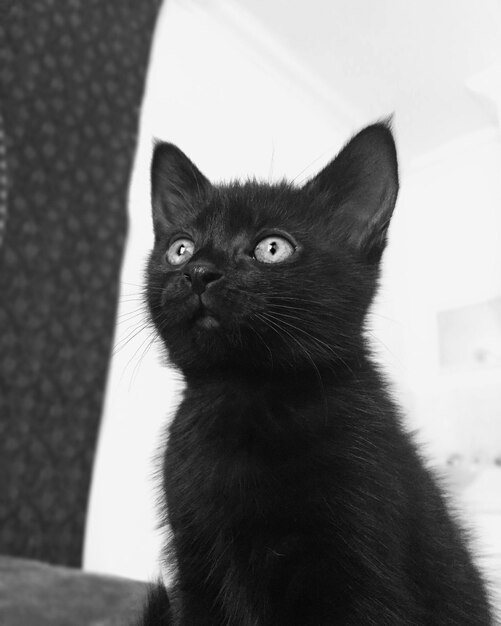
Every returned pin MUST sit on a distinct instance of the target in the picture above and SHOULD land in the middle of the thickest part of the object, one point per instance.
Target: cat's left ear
(361, 186)
(178, 187)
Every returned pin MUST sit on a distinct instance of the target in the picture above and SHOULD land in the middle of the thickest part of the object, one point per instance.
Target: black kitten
(294, 495)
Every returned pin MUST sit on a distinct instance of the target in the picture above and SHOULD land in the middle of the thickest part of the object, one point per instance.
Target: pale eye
(273, 249)
(180, 251)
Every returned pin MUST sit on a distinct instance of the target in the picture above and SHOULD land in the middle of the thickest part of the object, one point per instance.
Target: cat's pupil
(181, 250)
(273, 247)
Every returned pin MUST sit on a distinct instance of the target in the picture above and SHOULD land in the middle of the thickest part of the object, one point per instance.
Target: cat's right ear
(178, 188)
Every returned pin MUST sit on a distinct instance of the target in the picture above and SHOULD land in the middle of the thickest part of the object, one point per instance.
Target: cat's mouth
(205, 317)
(207, 320)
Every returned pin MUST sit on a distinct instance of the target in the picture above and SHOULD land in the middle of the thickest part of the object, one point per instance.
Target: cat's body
(293, 493)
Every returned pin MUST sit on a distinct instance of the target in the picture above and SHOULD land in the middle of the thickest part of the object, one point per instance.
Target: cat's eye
(273, 249)
(180, 251)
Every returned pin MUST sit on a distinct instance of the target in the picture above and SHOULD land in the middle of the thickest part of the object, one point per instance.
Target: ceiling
(413, 59)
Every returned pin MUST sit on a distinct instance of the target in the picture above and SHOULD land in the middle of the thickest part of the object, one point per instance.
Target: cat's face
(269, 276)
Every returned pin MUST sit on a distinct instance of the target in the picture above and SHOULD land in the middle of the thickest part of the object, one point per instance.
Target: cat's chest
(237, 453)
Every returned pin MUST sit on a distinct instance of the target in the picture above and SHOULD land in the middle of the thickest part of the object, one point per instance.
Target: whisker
(133, 356)
(305, 351)
(124, 282)
(317, 340)
(291, 315)
(378, 340)
(128, 315)
(321, 156)
(120, 345)
(290, 308)
(152, 336)
(139, 300)
(288, 298)
(263, 342)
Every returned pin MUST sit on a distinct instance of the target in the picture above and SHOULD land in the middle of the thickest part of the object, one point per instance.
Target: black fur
(157, 610)
(294, 494)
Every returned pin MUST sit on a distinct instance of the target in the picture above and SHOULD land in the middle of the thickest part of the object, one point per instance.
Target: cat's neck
(297, 403)
(297, 380)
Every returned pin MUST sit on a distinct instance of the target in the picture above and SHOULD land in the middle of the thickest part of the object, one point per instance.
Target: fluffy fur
(294, 495)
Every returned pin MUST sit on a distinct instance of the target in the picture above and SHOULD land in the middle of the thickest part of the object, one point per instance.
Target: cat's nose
(199, 275)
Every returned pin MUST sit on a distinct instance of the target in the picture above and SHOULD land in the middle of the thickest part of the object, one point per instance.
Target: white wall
(451, 206)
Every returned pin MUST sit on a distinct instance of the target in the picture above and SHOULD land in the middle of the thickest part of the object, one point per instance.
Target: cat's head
(269, 277)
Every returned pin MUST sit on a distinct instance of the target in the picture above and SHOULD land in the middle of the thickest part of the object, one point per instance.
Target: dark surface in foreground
(37, 594)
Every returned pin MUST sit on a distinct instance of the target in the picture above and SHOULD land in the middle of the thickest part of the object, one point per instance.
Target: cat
(294, 494)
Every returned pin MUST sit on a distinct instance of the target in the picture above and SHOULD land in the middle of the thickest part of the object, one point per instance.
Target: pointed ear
(361, 185)
(177, 185)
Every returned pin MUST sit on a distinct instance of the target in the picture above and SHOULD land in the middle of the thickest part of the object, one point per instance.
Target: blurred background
(273, 90)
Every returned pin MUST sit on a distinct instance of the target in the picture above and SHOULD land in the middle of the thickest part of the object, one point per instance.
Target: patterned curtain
(71, 81)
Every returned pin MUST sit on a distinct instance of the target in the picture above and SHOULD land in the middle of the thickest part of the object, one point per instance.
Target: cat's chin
(207, 322)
